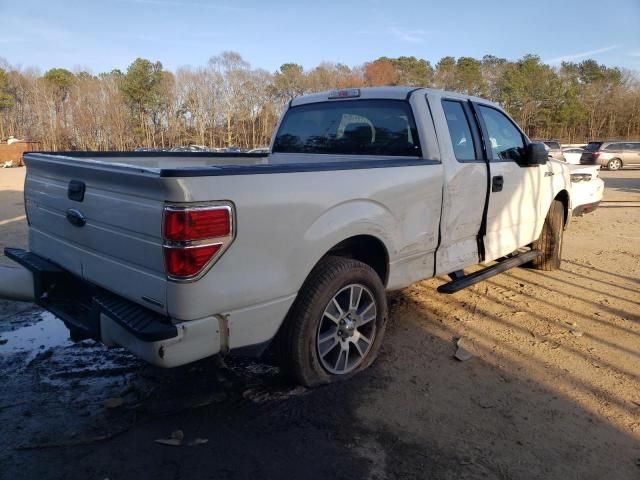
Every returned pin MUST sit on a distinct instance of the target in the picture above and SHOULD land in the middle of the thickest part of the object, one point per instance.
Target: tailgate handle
(75, 217)
(76, 190)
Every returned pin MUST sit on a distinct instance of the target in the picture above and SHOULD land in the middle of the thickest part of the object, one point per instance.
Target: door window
(506, 140)
(459, 130)
(614, 147)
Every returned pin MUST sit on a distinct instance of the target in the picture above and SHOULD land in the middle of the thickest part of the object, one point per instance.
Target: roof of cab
(391, 93)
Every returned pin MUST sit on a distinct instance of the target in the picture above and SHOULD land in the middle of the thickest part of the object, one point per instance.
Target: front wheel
(336, 324)
(550, 241)
(614, 164)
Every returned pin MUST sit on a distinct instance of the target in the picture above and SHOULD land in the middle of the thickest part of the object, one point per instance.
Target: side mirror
(536, 154)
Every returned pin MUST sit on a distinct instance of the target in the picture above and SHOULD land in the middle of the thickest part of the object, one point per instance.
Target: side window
(615, 147)
(506, 140)
(635, 147)
(459, 130)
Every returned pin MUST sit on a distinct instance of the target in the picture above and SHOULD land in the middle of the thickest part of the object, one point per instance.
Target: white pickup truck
(179, 256)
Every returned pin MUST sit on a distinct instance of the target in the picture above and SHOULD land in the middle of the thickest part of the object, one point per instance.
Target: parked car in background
(191, 148)
(587, 188)
(554, 149)
(233, 150)
(259, 150)
(611, 155)
(150, 149)
(572, 155)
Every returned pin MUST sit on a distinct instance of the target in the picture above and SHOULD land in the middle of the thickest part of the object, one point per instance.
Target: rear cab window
(350, 127)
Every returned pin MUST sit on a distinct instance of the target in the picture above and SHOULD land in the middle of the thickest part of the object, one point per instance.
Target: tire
(550, 241)
(614, 164)
(314, 323)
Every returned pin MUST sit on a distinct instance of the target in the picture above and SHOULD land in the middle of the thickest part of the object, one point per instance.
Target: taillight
(187, 262)
(194, 236)
(596, 154)
(196, 224)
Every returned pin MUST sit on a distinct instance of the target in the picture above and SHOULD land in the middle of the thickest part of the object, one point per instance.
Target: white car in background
(572, 155)
(587, 187)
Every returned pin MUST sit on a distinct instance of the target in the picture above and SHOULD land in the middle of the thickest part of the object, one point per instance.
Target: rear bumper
(92, 312)
(592, 161)
(586, 208)
(587, 195)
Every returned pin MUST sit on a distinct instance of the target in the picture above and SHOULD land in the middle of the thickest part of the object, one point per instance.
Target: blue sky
(107, 34)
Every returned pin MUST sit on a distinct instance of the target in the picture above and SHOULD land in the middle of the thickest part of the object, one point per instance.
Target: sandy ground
(552, 391)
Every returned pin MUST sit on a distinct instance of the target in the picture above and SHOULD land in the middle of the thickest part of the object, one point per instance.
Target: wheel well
(366, 249)
(563, 196)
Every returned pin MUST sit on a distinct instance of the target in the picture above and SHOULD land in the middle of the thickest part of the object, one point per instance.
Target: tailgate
(110, 235)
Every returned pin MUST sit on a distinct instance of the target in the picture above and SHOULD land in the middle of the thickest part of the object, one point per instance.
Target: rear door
(513, 216)
(465, 185)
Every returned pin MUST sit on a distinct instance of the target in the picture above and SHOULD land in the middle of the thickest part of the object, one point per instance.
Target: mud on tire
(550, 241)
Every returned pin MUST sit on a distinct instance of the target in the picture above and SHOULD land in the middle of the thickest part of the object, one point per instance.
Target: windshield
(350, 127)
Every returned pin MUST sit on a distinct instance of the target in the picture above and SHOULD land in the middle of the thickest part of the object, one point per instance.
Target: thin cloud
(575, 56)
(176, 3)
(34, 28)
(4, 40)
(405, 35)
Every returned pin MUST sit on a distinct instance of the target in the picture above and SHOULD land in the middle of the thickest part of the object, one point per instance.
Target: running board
(465, 281)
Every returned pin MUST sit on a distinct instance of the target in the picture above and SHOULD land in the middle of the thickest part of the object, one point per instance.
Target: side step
(460, 282)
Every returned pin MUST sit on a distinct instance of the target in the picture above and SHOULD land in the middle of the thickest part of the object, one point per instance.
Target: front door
(513, 213)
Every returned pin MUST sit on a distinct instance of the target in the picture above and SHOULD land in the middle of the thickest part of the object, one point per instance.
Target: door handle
(496, 183)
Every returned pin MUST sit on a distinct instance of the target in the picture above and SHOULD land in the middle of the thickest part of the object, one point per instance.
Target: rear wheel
(336, 325)
(550, 241)
(614, 164)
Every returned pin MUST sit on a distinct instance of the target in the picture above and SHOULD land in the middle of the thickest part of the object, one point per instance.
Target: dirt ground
(552, 390)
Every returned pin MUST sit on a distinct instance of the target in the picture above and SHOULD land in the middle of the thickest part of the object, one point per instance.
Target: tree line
(228, 103)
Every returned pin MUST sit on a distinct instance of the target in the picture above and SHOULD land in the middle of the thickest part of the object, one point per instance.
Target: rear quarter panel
(287, 222)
